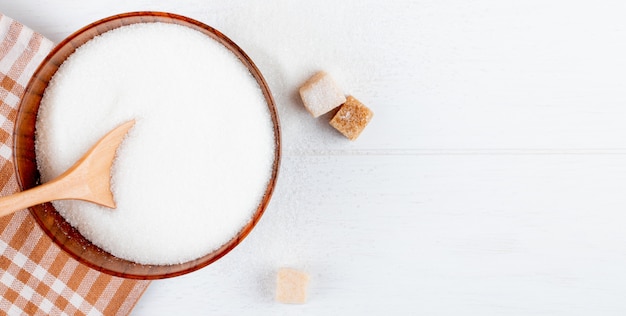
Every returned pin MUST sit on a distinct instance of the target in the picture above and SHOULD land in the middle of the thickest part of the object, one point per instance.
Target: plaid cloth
(36, 277)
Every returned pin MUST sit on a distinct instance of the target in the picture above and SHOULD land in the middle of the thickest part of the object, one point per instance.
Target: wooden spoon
(89, 179)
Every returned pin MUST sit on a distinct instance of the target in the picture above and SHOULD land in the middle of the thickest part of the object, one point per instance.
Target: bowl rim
(24, 111)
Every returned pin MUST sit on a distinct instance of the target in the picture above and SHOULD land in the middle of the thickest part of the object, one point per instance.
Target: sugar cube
(291, 286)
(320, 94)
(352, 118)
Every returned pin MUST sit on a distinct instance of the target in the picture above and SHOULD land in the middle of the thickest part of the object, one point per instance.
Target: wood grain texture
(489, 182)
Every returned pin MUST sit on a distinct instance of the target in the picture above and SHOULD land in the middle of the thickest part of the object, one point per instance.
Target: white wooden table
(490, 181)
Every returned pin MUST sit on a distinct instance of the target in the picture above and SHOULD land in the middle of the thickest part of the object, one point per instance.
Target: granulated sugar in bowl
(194, 174)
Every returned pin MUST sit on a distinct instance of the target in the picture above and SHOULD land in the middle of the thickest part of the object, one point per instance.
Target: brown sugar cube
(291, 286)
(352, 118)
(321, 94)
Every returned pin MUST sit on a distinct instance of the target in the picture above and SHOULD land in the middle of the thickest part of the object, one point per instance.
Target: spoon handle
(37, 195)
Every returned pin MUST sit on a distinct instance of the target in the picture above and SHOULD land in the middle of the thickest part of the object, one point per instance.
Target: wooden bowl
(54, 225)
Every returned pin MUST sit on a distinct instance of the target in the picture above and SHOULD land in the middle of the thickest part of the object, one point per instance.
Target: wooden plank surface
(489, 182)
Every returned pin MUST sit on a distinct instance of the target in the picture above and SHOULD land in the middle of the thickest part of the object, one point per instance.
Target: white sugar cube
(321, 94)
(291, 286)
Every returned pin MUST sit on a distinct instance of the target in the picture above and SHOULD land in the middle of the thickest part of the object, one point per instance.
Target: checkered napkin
(36, 277)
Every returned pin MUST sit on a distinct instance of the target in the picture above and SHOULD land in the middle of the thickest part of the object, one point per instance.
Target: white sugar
(194, 168)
